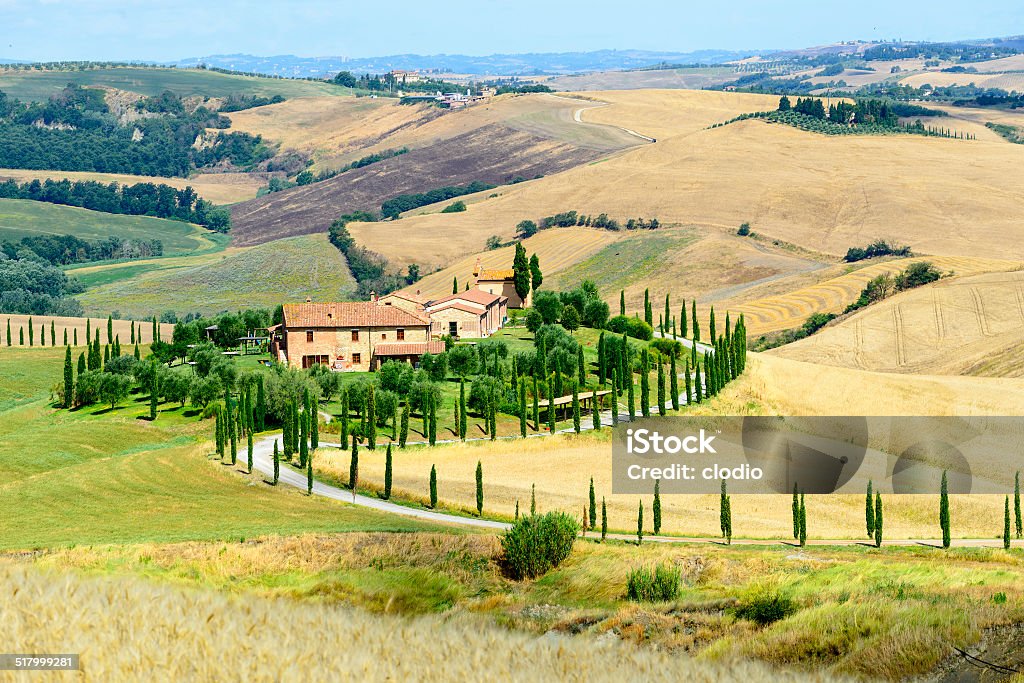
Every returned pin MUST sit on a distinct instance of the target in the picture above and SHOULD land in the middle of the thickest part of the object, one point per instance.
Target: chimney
(373, 297)
(309, 299)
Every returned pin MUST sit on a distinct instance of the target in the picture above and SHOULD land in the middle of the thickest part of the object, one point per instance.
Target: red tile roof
(408, 348)
(350, 314)
(475, 296)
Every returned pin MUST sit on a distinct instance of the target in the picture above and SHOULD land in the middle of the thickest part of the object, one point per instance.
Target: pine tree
(803, 520)
(662, 408)
(640, 523)
(403, 431)
(604, 520)
(869, 511)
(479, 489)
(522, 409)
(533, 499)
(388, 473)
(696, 323)
(1016, 503)
(878, 519)
(1006, 524)
(656, 508)
(944, 510)
(796, 512)
(277, 463)
(69, 379)
(645, 384)
(433, 486)
(353, 466)
(674, 383)
(622, 302)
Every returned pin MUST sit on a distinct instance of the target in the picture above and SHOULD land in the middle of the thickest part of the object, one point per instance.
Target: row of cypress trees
(73, 341)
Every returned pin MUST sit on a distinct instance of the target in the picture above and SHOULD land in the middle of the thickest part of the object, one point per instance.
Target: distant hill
(497, 65)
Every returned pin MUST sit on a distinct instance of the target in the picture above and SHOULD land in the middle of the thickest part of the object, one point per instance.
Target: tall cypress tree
(656, 508)
(640, 523)
(309, 474)
(615, 397)
(648, 313)
(622, 302)
(725, 515)
(463, 422)
(403, 431)
(110, 329)
(9, 332)
(69, 379)
(492, 427)
(803, 520)
(353, 467)
(277, 463)
(479, 489)
(595, 413)
(630, 399)
(696, 323)
(81, 363)
(674, 383)
(944, 510)
(154, 393)
(522, 409)
(388, 473)
(878, 519)
(432, 426)
(260, 415)
(371, 419)
(551, 415)
(1016, 503)
(31, 332)
(698, 393)
(53, 335)
(645, 384)
(314, 422)
(133, 332)
(575, 408)
(686, 381)
(604, 520)
(668, 314)
(304, 430)
(433, 486)
(344, 419)
(233, 436)
(869, 511)
(581, 366)
(533, 499)
(593, 505)
(1006, 524)
(455, 285)
(75, 340)
(249, 449)
(796, 512)
(536, 405)
(602, 362)
(662, 409)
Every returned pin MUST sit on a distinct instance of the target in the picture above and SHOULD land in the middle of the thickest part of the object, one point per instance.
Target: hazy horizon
(52, 30)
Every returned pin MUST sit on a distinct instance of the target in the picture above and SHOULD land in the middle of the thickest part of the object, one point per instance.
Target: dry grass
(122, 329)
(126, 629)
(957, 326)
(219, 188)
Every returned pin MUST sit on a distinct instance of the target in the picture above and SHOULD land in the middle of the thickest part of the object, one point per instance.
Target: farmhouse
(501, 282)
(473, 313)
(357, 336)
(414, 303)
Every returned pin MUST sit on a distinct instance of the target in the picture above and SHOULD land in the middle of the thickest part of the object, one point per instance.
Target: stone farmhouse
(473, 314)
(502, 282)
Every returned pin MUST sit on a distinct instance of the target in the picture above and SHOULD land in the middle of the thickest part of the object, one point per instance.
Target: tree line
(140, 199)
(62, 250)
(31, 286)
(370, 269)
(567, 219)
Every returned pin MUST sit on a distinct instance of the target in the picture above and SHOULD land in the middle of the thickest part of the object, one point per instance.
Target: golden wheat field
(219, 188)
(128, 630)
(121, 328)
(963, 325)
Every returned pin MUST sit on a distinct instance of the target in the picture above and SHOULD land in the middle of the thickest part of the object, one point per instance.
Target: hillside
(963, 325)
(284, 270)
(151, 81)
(22, 218)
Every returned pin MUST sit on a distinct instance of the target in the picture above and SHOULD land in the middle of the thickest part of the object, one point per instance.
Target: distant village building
(407, 76)
(473, 313)
(502, 282)
(357, 336)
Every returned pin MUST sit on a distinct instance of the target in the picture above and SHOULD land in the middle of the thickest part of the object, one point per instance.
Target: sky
(44, 30)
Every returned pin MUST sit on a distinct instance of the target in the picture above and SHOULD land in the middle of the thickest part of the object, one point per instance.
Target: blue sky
(159, 30)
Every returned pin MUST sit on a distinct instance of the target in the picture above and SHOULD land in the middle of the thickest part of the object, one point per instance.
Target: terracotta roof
(415, 298)
(473, 296)
(350, 314)
(497, 274)
(408, 348)
(475, 310)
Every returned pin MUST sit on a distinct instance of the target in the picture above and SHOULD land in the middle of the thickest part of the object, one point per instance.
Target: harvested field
(122, 329)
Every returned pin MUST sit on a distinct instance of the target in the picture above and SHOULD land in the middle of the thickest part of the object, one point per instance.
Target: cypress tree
(353, 466)
(796, 512)
(581, 366)
(725, 515)
(640, 523)
(277, 463)
(314, 421)
(683, 325)
(697, 384)
(551, 414)
(309, 474)
(575, 408)
(1006, 524)
(218, 433)
(463, 421)
(648, 313)
(869, 512)
(88, 330)
(42, 334)
(1016, 503)
(137, 354)
(110, 329)
(433, 420)
(686, 381)
(479, 489)
(630, 399)
(53, 335)
(944, 510)
(536, 405)
(696, 323)
(344, 419)
(260, 414)
(249, 451)
(388, 473)
(604, 520)
(662, 409)
(622, 302)
(533, 499)
(645, 384)
(31, 332)
(601, 360)
(674, 383)
(455, 285)
(667, 315)
(492, 413)
(65, 336)
(304, 431)
(74, 332)
(433, 486)
(371, 419)
(403, 432)
(615, 398)
(656, 509)
(133, 332)
(69, 379)
(517, 509)
(156, 330)
(106, 354)
(522, 409)
(593, 505)
(9, 332)
(595, 414)
(81, 362)
(233, 435)
(803, 520)
(878, 519)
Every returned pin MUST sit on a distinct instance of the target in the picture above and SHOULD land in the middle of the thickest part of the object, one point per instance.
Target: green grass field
(94, 475)
(285, 270)
(39, 85)
(623, 263)
(23, 217)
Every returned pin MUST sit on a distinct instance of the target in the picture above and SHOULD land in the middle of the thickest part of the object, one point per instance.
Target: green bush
(455, 207)
(538, 543)
(765, 606)
(667, 347)
(659, 584)
(633, 327)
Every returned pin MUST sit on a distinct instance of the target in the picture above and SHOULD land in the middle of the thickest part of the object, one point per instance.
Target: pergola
(585, 397)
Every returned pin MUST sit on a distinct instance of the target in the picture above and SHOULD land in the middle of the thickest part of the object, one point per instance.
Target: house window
(309, 336)
(355, 335)
(357, 359)
(400, 334)
(383, 335)
(453, 329)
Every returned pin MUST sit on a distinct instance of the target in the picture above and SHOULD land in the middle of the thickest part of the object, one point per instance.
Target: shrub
(744, 230)
(633, 327)
(455, 207)
(765, 606)
(667, 347)
(659, 584)
(538, 543)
